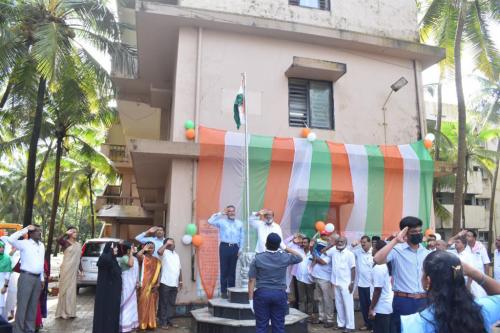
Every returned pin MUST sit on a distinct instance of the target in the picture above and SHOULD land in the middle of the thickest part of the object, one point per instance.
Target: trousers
(306, 297)
(344, 302)
(382, 323)
(270, 304)
(324, 295)
(364, 302)
(28, 292)
(167, 299)
(402, 306)
(228, 256)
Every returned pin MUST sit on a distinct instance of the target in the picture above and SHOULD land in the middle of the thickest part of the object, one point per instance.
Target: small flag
(239, 108)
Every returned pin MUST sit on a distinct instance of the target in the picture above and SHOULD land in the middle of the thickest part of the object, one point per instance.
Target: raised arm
(254, 220)
(381, 255)
(214, 219)
(14, 238)
(451, 241)
(146, 235)
(491, 286)
(162, 249)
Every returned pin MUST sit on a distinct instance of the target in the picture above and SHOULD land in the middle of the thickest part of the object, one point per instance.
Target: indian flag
(362, 189)
(239, 108)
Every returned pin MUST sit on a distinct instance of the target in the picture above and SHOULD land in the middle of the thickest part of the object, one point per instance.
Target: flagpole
(247, 183)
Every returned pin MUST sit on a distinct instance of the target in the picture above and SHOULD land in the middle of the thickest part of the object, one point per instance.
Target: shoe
(173, 325)
(164, 327)
(336, 328)
(328, 325)
(364, 328)
(347, 330)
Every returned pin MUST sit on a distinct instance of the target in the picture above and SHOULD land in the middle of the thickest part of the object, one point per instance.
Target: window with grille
(318, 4)
(310, 103)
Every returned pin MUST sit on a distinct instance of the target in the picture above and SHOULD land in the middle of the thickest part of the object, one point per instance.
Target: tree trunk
(439, 116)
(55, 198)
(466, 188)
(42, 167)
(61, 224)
(92, 219)
(6, 95)
(492, 201)
(30, 172)
(462, 119)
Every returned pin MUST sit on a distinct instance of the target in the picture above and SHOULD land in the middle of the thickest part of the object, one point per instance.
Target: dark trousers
(382, 323)
(364, 303)
(270, 304)
(228, 256)
(306, 297)
(402, 306)
(28, 293)
(166, 304)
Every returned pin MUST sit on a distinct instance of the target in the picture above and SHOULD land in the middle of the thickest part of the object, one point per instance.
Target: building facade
(323, 64)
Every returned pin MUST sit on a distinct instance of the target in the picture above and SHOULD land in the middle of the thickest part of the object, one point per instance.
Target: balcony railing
(116, 153)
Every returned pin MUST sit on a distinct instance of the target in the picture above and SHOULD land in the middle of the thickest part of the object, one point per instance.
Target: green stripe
(375, 199)
(426, 179)
(320, 188)
(259, 153)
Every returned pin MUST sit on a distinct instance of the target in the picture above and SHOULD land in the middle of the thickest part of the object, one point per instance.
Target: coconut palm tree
(38, 38)
(451, 22)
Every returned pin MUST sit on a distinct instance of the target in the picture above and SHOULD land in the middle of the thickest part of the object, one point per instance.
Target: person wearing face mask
(108, 291)
(263, 222)
(231, 237)
(342, 279)
(148, 292)
(406, 255)
(170, 282)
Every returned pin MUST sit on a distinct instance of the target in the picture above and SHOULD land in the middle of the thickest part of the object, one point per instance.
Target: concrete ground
(85, 312)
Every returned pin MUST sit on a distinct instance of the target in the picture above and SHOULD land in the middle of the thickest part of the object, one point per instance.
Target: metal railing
(116, 153)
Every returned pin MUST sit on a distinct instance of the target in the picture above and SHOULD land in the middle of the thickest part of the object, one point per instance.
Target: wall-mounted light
(396, 86)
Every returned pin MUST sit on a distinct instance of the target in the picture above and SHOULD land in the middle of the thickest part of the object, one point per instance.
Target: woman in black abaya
(108, 292)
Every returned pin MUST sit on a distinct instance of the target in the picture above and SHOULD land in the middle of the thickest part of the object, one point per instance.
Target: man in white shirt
(364, 264)
(479, 252)
(342, 279)
(323, 293)
(496, 269)
(263, 222)
(170, 282)
(381, 305)
(305, 283)
(31, 278)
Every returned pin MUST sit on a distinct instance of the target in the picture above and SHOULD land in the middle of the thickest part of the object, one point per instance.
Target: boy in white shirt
(381, 305)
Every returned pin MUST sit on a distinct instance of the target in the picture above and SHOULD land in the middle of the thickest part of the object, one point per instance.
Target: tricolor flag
(362, 189)
(239, 108)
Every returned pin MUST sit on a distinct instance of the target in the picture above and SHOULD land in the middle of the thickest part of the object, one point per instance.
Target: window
(318, 4)
(310, 103)
(483, 236)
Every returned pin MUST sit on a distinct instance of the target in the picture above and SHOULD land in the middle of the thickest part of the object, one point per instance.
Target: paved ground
(85, 312)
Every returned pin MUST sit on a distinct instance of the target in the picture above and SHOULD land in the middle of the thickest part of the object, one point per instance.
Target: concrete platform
(238, 295)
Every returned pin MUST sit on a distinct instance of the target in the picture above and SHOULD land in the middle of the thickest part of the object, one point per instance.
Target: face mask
(416, 239)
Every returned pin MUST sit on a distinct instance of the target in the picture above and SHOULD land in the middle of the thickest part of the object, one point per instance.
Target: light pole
(400, 83)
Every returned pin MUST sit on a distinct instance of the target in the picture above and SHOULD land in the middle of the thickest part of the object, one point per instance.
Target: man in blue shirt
(268, 275)
(156, 235)
(231, 236)
(407, 257)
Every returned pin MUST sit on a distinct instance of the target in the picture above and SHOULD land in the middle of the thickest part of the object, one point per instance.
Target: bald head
(341, 243)
(441, 245)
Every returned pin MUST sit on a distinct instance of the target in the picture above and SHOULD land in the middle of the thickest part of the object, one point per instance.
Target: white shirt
(496, 267)
(303, 273)
(480, 256)
(342, 263)
(32, 253)
(263, 230)
(364, 264)
(323, 272)
(381, 279)
(170, 268)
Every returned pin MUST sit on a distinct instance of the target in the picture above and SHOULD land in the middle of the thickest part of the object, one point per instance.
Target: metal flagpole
(247, 187)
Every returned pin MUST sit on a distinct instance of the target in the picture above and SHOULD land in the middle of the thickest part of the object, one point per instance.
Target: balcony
(475, 217)
(118, 154)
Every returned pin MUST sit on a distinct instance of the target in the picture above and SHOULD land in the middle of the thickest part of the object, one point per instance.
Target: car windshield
(94, 249)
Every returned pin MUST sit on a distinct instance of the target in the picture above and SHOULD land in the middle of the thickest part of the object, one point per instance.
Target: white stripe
(233, 172)
(358, 162)
(411, 181)
(298, 188)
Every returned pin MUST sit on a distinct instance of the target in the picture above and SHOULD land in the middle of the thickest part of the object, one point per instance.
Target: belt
(29, 273)
(408, 295)
(229, 244)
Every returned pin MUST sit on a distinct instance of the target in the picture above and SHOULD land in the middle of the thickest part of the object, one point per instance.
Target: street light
(396, 86)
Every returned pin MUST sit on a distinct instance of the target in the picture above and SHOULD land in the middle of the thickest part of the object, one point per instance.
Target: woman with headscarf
(129, 318)
(108, 291)
(66, 302)
(148, 294)
(5, 270)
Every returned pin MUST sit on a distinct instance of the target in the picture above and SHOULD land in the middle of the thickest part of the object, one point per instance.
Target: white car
(91, 251)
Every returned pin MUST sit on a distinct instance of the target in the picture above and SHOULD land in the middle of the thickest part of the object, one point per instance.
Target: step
(238, 295)
(223, 308)
(295, 322)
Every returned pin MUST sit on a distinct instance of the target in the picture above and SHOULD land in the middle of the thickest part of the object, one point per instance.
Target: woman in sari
(129, 319)
(150, 281)
(66, 302)
(108, 291)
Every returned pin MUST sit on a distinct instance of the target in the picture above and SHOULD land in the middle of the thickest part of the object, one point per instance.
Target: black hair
(454, 307)
(366, 237)
(167, 239)
(126, 245)
(473, 232)
(462, 239)
(306, 238)
(147, 243)
(380, 244)
(231, 206)
(70, 227)
(161, 227)
(375, 238)
(410, 222)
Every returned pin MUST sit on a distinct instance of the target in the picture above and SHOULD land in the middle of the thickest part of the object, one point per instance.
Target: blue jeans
(270, 304)
(228, 256)
(402, 306)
